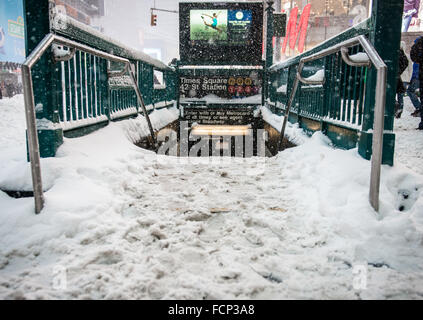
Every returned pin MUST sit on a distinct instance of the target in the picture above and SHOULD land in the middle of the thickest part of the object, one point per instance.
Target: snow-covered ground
(121, 222)
(409, 142)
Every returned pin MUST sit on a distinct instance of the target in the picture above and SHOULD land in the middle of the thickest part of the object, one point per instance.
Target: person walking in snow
(413, 86)
(416, 54)
(9, 90)
(403, 64)
(411, 90)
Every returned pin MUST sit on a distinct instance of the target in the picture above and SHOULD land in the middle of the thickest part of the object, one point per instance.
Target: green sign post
(385, 34)
(45, 73)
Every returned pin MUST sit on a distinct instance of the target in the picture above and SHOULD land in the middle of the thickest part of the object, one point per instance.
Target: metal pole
(269, 33)
(31, 121)
(141, 102)
(164, 10)
(278, 48)
(378, 138)
(33, 144)
(288, 107)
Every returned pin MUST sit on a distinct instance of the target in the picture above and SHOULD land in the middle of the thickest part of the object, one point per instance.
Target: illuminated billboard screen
(221, 32)
(209, 25)
(12, 31)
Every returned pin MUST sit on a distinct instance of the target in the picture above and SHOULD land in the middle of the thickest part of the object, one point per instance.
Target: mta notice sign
(219, 116)
(12, 31)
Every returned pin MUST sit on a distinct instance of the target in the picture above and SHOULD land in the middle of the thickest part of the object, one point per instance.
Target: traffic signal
(153, 20)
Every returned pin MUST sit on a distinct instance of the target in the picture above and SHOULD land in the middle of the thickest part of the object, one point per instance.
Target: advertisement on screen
(239, 25)
(412, 15)
(209, 25)
(230, 32)
(221, 27)
(12, 31)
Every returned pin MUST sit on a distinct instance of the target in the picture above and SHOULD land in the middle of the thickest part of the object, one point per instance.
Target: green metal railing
(339, 99)
(74, 83)
(342, 106)
(88, 95)
(77, 91)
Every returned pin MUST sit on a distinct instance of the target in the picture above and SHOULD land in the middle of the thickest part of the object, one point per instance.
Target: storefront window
(317, 21)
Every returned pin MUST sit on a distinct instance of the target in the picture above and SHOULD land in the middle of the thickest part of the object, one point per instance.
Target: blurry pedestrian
(9, 90)
(411, 90)
(416, 54)
(402, 65)
(413, 86)
(2, 89)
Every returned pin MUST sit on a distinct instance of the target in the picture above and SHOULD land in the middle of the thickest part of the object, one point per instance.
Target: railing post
(269, 45)
(385, 35)
(45, 75)
(327, 89)
(103, 83)
(269, 34)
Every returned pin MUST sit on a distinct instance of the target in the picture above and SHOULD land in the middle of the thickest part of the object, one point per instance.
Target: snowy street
(123, 223)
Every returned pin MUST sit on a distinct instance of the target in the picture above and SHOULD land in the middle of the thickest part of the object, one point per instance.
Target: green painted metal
(91, 87)
(44, 74)
(269, 33)
(344, 105)
(269, 46)
(75, 95)
(80, 132)
(84, 85)
(79, 105)
(66, 71)
(72, 92)
(385, 36)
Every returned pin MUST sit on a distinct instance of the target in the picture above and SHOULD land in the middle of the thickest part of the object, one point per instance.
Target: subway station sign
(225, 87)
(12, 31)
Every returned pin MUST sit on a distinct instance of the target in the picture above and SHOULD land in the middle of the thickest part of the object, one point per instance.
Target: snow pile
(122, 222)
(409, 141)
(294, 133)
(12, 124)
(123, 81)
(360, 57)
(137, 129)
(13, 143)
(15, 171)
(282, 89)
(319, 76)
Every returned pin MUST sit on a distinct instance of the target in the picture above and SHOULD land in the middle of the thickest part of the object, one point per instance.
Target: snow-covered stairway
(122, 222)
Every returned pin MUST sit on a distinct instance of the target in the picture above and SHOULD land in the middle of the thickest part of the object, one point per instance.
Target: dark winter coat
(402, 65)
(416, 52)
(416, 55)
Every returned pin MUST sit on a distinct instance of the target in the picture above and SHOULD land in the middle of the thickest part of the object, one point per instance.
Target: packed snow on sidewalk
(121, 222)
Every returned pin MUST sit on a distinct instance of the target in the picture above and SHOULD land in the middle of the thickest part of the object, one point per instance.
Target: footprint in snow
(406, 199)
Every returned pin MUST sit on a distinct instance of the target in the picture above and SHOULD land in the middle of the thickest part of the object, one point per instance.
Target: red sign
(292, 31)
